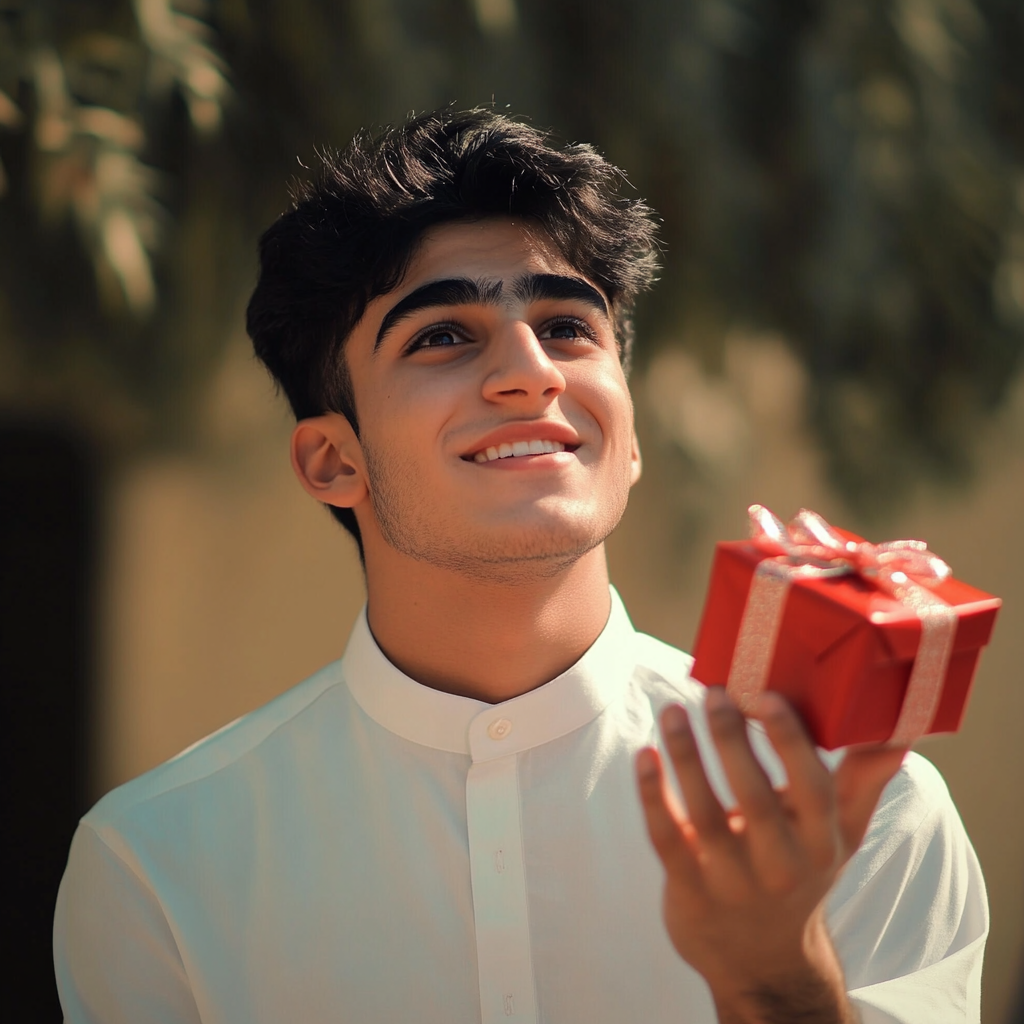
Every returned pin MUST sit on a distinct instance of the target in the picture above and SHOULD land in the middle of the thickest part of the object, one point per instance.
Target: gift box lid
(842, 604)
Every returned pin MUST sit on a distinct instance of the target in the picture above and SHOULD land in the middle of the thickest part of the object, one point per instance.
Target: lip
(535, 430)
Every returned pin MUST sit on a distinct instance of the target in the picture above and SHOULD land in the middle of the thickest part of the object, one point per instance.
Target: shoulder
(915, 827)
(916, 792)
(663, 671)
(155, 848)
(916, 800)
(243, 740)
(909, 915)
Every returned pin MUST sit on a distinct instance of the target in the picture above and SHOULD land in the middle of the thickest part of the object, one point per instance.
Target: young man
(445, 826)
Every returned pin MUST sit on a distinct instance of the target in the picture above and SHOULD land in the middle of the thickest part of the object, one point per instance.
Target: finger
(704, 811)
(661, 814)
(773, 847)
(810, 789)
(859, 781)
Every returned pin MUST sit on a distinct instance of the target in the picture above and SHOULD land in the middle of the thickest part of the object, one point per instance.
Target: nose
(520, 368)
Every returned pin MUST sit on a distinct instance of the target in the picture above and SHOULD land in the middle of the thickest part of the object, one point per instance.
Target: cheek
(400, 416)
(613, 408)
(425, 402)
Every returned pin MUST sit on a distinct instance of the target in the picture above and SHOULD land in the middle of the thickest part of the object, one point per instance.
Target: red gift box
(846, 636)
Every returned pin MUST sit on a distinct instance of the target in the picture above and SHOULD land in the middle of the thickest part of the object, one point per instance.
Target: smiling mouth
(517, 449)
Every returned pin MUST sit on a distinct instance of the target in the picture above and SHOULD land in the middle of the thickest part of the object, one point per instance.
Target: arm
(745, 891)
(115, 957)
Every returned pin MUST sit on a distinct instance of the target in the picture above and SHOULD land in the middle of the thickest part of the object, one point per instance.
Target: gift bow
(810, 548)
(810, 540)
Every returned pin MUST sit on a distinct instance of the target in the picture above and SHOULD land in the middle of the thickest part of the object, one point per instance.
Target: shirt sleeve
(909, 917)
(115, 957)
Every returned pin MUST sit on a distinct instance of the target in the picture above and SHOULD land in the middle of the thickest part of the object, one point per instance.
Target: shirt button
(499, 728)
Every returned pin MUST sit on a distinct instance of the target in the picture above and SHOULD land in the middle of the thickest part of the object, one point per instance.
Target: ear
(328, 460)
(635, 461)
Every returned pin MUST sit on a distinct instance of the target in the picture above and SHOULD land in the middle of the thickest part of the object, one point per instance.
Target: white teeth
(506, 451)
(551, 446)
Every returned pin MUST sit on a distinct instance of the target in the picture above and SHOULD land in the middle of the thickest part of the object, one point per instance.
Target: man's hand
(745, 890)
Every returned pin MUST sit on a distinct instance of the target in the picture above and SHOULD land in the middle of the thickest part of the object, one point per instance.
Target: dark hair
(351, 234)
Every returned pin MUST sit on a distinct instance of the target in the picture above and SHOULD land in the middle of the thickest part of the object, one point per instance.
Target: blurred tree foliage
(847, 172)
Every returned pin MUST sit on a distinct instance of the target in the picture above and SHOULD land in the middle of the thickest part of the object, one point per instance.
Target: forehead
(494, 249)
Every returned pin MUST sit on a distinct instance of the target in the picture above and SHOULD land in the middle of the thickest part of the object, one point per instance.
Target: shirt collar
(484, 731)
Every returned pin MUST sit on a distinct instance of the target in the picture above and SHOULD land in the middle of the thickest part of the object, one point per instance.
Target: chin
(509, 556)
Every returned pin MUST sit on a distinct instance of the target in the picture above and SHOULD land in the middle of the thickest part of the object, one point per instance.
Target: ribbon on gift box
(809, 548)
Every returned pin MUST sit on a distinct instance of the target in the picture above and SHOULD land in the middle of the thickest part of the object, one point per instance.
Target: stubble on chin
(510, 558)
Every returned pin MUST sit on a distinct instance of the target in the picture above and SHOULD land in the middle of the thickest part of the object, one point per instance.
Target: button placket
(499, 890)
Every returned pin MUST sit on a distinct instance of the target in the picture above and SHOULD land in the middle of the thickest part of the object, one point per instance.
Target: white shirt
(367, 850)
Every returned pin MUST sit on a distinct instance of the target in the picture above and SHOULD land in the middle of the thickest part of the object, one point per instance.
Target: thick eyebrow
(531, 287)
(462, 291)
(454, 291)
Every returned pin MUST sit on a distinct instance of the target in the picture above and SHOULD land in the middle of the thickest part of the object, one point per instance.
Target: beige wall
(226, 584)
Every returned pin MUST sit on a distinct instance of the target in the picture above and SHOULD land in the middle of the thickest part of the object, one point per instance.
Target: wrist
(803, 984)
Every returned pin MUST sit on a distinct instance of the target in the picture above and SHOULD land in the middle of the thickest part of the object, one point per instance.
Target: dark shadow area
(47, 572)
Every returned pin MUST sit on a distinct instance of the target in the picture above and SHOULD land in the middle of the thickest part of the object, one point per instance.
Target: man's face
(496, 426)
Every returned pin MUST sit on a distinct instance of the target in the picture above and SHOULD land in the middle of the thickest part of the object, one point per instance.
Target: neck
(489, 641)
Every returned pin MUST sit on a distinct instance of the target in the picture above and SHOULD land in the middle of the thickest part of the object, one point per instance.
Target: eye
(438, 336)
(437, 339)
(567, 329)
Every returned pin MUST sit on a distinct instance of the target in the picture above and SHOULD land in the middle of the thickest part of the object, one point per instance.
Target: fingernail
(674, 720)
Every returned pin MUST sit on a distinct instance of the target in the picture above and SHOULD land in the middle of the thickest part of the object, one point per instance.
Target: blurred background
(838, 325)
